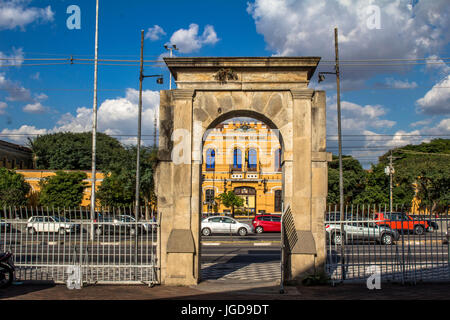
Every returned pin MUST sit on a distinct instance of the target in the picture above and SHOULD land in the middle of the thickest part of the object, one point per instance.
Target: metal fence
(50, 244)
(396, 246)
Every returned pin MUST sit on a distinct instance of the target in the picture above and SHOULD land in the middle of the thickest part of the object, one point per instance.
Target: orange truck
(401, 221)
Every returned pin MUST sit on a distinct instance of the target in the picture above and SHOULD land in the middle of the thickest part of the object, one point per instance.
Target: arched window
(251, 159)
(278, 160)
(210, 159)
(277, 201)
(237, 159)
(209, 196)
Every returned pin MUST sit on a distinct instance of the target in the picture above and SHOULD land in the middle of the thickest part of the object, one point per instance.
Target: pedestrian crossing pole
(94, 127)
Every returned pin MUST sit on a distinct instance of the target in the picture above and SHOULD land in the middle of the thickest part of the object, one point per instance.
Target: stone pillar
(177, 190)
(302, 250)
(319, 189)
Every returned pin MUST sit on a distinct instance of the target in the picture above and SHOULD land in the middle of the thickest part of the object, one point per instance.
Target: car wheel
(386, 239)
(242, 232)
(337, 238)
(31, 231)
(62, 231)
(259, 229)
(418, 230)
(132, 231)
(98, 231)
(206, 232)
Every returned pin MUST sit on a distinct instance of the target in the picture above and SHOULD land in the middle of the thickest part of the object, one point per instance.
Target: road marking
(262, 244)
(211, 243)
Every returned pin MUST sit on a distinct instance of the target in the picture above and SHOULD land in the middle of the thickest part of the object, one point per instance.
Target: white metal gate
(53, 244)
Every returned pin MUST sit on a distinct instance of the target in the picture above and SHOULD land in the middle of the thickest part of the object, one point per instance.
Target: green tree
(13, 189)
(65, 189)
(73, 151)
(230, 200)
(376, 187)
(353, 174)
(119, 186)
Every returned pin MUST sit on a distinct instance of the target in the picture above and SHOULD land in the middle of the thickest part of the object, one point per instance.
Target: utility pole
(94, 126)
(341, 175)
(174, 47)
(390, 170)
(159, 80)
(138, 152)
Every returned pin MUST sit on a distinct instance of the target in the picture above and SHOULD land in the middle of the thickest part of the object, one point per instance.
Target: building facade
(14, 156)
(34, 177)
(243, 157)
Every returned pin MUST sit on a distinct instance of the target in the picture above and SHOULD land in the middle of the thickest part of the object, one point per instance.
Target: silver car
(219, 224)
(361, 230)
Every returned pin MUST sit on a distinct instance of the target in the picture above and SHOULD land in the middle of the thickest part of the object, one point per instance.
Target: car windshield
(60, 219)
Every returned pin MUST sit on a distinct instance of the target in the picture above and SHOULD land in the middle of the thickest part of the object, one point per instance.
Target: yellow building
(244, 157)
(33, 177)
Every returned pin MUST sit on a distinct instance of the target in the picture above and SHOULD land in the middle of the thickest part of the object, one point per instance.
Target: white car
(220, 224)
(50, 224)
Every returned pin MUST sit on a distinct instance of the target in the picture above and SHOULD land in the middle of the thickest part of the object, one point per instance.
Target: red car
(402, 222)
(267, 223)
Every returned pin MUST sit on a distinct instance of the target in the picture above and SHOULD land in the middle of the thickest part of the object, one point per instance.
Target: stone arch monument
(211, 90)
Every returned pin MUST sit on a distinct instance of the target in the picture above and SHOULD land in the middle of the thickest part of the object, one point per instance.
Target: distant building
(243, 157)
(33, 177)
(14, 156)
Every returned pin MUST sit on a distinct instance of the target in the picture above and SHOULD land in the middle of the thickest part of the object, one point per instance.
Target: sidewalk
(219, 290)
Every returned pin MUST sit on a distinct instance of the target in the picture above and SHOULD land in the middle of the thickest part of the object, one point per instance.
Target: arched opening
(247, 165)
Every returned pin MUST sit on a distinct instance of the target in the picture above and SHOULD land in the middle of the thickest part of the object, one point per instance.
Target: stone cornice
(303, 94)
(183, 94)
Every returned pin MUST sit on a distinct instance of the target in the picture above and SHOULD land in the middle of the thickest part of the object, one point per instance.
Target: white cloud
(437, 100)
(188, 40)
(16, 91)
(399, 84)
(3, 106)
(154, 33)
(35, 108)
(21, 134)
(437, 64)
(16, 58)
(117, 117)
(15, 13)
(306, 28)
(421, 123)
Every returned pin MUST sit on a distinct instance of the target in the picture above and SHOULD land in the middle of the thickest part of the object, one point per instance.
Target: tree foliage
(119, 185)
(73, 151)
(65, 189)
(13, 189)
(420, 170)
(230, 200)
(353, 174)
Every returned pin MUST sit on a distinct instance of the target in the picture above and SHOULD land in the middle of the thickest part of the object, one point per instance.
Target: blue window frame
(210, 159)
(278, 159)
(237, 158)
(252, 158)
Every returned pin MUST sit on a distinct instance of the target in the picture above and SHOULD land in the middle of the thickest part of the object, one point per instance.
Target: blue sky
(383, 106)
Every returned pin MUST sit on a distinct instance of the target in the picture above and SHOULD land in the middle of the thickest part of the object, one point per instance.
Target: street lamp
(341, 176)
(170, 49)
(159, 80)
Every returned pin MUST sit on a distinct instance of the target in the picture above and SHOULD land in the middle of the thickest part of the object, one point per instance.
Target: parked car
(432, 226)
(267, 223)
(4, 226)
(119, 224)
(362, 231)
(57, 224)
(402, 222)
(220, 224)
